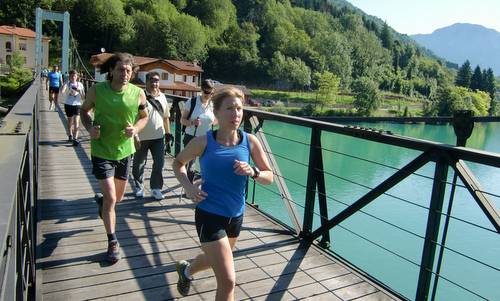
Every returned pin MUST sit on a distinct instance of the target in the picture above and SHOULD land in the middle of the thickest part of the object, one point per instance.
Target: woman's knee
(227, 282)
(109, 203)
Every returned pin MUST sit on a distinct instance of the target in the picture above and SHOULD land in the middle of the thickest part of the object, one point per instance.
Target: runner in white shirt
(201, 119)
(74, 92)
(153, 138)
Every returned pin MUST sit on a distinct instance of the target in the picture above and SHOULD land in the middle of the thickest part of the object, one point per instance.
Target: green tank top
(113, 110)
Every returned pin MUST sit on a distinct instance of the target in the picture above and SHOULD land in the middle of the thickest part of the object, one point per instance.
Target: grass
(297, 97)
(391, 102)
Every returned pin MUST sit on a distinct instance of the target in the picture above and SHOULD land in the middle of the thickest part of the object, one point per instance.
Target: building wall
(25, 46)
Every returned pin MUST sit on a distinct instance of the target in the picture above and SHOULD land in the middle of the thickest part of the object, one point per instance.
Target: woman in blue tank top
(220, 196)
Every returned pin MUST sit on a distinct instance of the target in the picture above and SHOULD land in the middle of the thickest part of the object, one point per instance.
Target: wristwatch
(256, 172)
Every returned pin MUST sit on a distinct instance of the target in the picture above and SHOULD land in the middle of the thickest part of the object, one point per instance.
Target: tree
(489, 82)
(328, 87)
(101, 24)
(289, 71)
(16, 61)
(386, 37)
(366, 95)
(464, 75)
(217, 15)
(476, 81)
(16, 12)
(489, 86)
(18, 75)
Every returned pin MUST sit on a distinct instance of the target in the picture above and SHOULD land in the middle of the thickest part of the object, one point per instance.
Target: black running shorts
(53, 89)
(71, 110)
(103, 169)
(212, 227)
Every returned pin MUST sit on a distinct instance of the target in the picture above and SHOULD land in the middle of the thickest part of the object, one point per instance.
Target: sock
(187, 271)
(112, 237)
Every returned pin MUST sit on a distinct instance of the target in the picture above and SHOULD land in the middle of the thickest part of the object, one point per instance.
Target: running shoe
(139, 193)
(156, 193)
(113, 254)
(99, 198)
(70, 138)
(184, 283)
(76, 142)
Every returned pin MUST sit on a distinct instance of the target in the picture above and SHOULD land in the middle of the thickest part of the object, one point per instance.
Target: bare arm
(194, 149)
(184, 120)
(166, 119)
(82, 92)
(143, 114)
(142, 118)
(260, 159)
(87, 106)
(64, 88)
(166, 124)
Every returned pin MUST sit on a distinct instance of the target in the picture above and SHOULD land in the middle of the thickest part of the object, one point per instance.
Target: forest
(301, 45)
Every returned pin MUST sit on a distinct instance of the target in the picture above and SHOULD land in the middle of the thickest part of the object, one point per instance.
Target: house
(176, 77)
(13, 38)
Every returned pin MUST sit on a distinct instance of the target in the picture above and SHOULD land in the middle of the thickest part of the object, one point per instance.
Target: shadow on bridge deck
(271, 264)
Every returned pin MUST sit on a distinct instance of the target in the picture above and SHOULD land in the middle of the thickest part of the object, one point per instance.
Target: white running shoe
(156, 193)
(139, 193)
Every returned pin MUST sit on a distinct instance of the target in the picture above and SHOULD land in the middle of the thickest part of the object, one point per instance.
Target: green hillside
(284, 45)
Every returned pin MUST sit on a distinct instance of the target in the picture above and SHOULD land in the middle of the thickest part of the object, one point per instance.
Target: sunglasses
(208, 91)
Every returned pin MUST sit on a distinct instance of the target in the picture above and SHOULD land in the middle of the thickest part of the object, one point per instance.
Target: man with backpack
(197, 118)
(153, 138)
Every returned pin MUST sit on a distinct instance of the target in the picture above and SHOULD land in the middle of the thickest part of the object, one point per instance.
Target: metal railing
(19, 192)
(444, 156)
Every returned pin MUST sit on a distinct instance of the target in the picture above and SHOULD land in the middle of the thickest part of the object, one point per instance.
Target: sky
(425, 16)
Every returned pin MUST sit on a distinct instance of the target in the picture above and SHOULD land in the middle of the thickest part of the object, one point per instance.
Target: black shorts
(71, 110)
(212, 227)
(53, 89)
(103, 169)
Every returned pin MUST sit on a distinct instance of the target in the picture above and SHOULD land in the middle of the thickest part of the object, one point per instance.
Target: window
(8, 58)
(194, 79)
(185, 78)
(22, 46)
(8, 46)
(25, 60)
(164, 76)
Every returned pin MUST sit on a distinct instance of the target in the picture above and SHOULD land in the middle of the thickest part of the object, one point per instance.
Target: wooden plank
(271, 264)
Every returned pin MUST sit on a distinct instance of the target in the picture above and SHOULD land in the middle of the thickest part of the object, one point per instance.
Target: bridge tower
(42, 15)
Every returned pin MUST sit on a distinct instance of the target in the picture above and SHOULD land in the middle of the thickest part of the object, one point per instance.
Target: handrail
(19, 187)
(444, 155)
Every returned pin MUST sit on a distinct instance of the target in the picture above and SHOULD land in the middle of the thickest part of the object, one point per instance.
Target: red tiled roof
(177, 86)
(98, 59)
(182, 65)
(18, 31)
(180, 86)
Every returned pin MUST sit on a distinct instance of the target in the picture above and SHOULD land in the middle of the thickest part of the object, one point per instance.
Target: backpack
(191, 109)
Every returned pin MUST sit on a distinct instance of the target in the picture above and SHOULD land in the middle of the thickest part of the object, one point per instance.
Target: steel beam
(432, 230)
(397, 177)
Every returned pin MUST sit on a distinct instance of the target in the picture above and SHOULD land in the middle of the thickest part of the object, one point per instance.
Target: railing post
(432, 231)
(311, 184)
(463, 126)
(316, 178)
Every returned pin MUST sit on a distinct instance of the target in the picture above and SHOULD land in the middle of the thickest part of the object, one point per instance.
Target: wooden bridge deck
(271, 264)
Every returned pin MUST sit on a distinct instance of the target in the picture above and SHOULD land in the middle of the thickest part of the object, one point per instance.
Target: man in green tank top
(119, 113)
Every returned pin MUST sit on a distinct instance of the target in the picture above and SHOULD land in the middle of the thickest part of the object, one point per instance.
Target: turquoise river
(392, 254)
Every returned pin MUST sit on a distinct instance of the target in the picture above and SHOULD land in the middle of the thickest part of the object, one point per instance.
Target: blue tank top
(226, 190)
(54, 79)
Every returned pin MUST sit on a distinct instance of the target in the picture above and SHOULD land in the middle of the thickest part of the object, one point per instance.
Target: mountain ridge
(465, 41)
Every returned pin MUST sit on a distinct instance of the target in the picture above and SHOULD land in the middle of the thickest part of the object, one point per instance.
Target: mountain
(462, 41)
